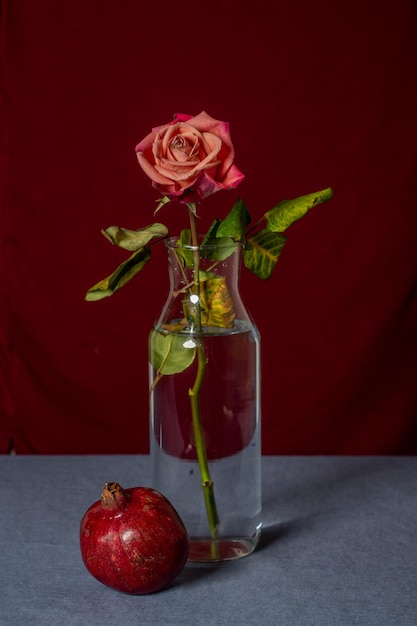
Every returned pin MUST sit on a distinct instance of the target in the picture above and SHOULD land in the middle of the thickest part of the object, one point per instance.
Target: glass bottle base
(207, 550)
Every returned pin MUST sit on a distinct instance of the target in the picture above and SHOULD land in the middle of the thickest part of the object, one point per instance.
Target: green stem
(206, 481)
(194, 393)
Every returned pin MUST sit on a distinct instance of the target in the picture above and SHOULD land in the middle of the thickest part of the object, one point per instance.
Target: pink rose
(190, 158)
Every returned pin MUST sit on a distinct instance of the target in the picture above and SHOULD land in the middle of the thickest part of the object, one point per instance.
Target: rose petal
(182, 117)
(205, 122)
(213, 146)
(199, 164)
(172, 174)
(233, 178)
(151, 171)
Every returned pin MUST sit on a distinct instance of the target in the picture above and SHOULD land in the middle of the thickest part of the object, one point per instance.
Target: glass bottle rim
(172, 244)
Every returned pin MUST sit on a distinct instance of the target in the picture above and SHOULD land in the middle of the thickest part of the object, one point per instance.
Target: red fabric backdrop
(317, 93)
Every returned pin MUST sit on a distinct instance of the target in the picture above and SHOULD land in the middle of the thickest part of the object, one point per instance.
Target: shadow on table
(274, 532)
(194, 572)
(282, 530)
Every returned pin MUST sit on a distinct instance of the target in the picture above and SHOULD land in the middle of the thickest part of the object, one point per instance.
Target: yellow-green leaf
(288, 211)
(133, 240)
(217, 308)
(262, 252)
(122, 275)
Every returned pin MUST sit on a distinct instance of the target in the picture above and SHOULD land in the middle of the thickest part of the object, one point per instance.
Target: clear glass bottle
(205, 420)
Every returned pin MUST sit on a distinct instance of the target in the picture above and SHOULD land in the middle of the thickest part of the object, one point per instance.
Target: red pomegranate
(133, 540)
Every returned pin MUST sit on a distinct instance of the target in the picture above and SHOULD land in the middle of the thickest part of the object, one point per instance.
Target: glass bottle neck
(204, 289)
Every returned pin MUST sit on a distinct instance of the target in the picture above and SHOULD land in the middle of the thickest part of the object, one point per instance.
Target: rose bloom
(190, 158)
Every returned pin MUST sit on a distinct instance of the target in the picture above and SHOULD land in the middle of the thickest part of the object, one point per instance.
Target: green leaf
(288, 211)
(133, 240)
(169, 353)
(210, 237)
(261, 254)
(185, 254)
(164, 200)
(217, 248)
(192, 207)
(235, 222)
(185, 237)
(123, 274)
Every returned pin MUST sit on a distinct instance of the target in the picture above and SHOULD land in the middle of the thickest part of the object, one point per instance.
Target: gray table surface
(339, 547)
